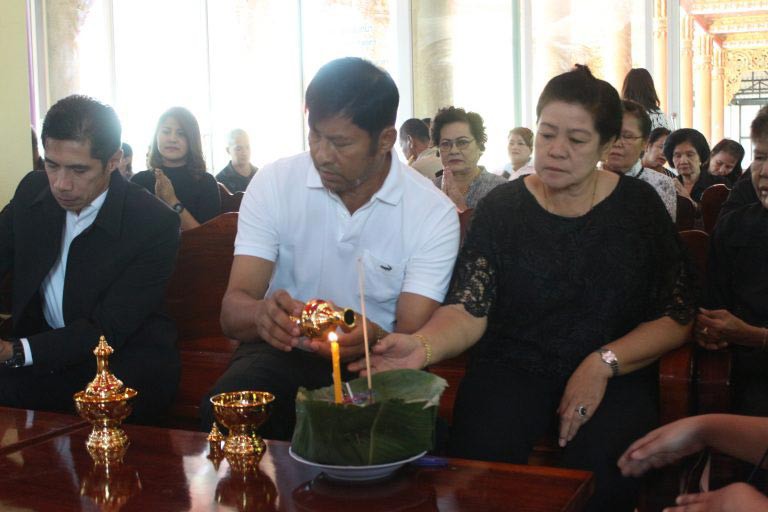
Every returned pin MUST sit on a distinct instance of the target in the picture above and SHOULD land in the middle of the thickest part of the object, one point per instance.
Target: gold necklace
(591, 203)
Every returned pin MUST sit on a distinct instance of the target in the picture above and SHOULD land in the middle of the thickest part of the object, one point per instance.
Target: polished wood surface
(169, 470)
(19, 428)
(712, 200)
(193, 301)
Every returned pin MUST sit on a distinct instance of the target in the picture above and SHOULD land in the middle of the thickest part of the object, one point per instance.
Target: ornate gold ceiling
(740, 28)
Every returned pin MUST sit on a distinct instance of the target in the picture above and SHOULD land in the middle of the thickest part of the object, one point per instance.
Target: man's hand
(351, 344)
(393, 352)
(739, 497)
(6, 350)
(272, 322)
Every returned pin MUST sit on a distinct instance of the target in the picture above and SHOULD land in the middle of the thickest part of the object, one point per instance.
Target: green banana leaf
(398, 425)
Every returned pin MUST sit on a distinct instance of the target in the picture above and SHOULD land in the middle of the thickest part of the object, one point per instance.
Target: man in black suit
(90, 255)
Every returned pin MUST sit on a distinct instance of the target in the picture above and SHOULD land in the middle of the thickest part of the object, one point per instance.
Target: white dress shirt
(52, 288)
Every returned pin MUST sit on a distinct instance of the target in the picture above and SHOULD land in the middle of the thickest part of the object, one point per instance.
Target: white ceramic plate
(357, 473)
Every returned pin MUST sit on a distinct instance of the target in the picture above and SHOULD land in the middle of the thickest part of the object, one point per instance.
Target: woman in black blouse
(687, 151)
(570, 285)
(178, 175)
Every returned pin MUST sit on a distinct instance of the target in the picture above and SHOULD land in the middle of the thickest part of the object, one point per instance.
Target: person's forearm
(238, 316)
(451, 331)
(752, 336)
(743, 437)
(647, 342)
(187, 220)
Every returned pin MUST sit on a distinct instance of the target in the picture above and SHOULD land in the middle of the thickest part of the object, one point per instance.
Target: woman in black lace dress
(571, 284)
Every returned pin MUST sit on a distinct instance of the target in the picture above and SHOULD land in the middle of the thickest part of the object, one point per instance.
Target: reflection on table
(167, 469)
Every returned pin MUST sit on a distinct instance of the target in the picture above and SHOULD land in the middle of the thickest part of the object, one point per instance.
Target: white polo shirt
(407, 236)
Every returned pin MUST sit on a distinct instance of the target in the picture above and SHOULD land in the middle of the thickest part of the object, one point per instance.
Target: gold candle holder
(319, 317)
(243, 412)
(105, 404)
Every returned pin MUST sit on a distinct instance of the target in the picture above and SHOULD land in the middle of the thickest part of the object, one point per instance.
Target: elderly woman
(570, 285)
(520, 149)
(177, 172)
(653, 154)
(688, 152)
(624, 156)
(737, 283)
(460, 138)
(726, 161)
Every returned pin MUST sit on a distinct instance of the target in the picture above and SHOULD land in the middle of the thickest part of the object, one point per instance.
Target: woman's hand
(585, 389)
(739, 497)
(718, 327)
(393, 352)
(451, 189)
(681, 190)
(164, 188)
(663, 446)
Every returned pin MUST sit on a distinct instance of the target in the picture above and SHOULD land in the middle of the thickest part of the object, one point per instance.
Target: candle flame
(332, 337)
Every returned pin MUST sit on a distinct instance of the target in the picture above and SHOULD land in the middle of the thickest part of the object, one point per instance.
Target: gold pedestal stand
(105, 404)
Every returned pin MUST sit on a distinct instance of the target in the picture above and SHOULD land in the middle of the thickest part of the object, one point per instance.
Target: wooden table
(21, 428)
(168, 470)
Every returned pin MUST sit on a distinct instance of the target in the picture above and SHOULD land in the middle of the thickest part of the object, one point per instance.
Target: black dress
(555, 289)
(199, 194)
(737, 280)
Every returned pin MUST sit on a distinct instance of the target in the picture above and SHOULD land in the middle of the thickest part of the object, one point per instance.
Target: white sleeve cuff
(27, 352)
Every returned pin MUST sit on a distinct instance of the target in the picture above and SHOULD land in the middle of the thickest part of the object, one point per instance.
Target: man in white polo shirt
(305, 223)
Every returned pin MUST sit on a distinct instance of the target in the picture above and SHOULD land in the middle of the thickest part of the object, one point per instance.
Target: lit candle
(337, 396)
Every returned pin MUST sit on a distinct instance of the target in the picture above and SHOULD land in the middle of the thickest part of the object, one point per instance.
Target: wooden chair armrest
(676, 384)
(713, 381)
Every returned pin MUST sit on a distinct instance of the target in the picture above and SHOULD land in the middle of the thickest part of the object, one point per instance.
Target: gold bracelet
(427, 348)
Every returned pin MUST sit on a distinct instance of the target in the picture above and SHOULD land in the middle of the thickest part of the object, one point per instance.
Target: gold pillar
(717, 94)
(660, 51)
(686, 71)
(702, 64)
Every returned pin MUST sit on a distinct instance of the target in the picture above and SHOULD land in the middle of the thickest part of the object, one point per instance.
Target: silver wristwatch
(609, 358)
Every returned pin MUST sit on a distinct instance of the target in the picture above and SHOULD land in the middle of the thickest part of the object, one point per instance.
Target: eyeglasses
(461, 144)
(628, 137)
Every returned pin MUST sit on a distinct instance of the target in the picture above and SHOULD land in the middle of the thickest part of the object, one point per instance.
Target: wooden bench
(229, 202)
(193, 301)
(712, 200)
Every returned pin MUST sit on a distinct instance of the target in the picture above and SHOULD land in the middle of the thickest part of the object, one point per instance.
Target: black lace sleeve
(677, 292)
(475, 276)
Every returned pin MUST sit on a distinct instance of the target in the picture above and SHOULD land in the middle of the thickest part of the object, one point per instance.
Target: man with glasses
(311, 222)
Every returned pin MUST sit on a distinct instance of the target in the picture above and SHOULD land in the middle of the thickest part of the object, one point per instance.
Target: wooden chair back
(229, 202)
(712, 200)
(686, 213)
(193, 301)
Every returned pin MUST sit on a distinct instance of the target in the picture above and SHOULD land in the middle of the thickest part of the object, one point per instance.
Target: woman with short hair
(570, 285)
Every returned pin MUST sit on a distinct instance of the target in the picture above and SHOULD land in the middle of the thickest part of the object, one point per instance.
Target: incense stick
(361, 281)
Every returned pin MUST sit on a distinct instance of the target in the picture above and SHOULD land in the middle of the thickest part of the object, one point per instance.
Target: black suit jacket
(116, 275)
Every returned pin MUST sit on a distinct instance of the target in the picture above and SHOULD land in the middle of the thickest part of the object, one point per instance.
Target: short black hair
(448, 115)
(637, 111)
(694, 137)
(415, 128)
(84, 119)
(658, 133)
(580, 87)
(354, 88)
